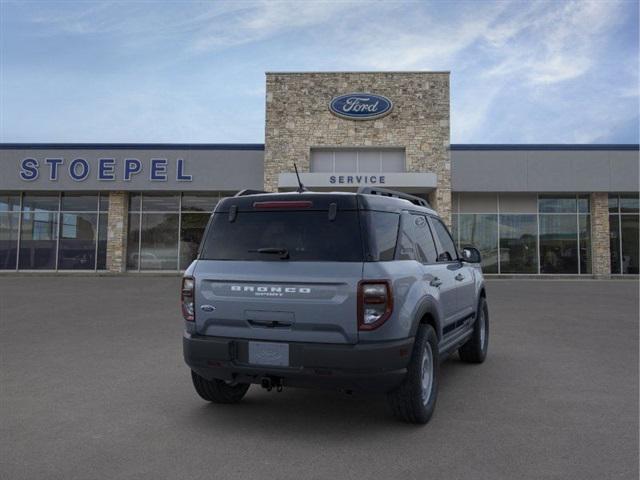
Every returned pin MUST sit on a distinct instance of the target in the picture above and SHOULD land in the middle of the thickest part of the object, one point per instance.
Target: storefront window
(557, 204)
(584, 237)
(629, 237)
(9, 224)
(80, 225)
(51, 231)
(133, 239)
(518, 244)
(565, 234)
(614, 242)
(191, 229)
(9, 202)
(480, 231)
(159, 241)
(351, 160)
(78, 234)
(558, 244)
(165, 229)
(39, 231)
(623, 233)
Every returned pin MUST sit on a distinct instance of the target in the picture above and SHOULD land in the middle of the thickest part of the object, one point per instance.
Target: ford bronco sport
(355, 291)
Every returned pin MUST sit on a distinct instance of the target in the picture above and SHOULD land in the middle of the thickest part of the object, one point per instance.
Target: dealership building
(530, 209)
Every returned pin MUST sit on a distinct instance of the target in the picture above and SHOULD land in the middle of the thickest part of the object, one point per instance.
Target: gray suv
(355, 291)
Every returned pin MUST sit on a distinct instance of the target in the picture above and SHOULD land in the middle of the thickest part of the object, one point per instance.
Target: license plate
(267, 353)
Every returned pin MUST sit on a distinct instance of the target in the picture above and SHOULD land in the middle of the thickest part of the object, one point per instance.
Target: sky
(178, 71)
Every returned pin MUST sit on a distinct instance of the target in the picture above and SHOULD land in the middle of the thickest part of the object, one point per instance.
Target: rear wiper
(283, 252)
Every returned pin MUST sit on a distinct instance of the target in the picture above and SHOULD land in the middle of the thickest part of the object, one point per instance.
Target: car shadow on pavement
(297, 410)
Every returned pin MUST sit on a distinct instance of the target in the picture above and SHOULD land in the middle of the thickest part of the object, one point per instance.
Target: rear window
(304, 235)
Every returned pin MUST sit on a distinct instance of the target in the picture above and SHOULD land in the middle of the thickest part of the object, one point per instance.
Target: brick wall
(117, 231)
(298, 119)
(600, 249)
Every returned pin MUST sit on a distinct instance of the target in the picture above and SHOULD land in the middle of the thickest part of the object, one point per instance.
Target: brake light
(186, 298)
(284, 204)
(375, 303)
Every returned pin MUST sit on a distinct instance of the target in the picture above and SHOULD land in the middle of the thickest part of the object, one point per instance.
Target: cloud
(259, 21)
(521, 71)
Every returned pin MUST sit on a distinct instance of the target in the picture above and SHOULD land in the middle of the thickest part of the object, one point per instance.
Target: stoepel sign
(106, 169)
(360, 106)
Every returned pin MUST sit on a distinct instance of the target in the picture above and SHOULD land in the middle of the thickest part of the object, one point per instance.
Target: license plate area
(269, 353)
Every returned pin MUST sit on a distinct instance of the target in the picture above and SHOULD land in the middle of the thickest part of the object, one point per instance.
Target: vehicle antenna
(301, 187)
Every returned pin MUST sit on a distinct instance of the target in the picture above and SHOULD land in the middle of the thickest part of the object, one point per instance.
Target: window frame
(357, 151)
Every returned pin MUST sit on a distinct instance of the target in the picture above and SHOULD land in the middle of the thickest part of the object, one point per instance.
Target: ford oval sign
(360, 106)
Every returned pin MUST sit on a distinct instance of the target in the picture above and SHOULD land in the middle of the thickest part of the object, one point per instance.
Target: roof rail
(393, 193)
(248, 191)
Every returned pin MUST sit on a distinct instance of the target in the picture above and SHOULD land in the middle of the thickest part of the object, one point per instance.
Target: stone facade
(600, 248)
(298, 119)
(117, 231)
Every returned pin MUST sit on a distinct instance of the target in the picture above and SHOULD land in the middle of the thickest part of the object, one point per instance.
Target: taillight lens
(375, 303)
(186, 298)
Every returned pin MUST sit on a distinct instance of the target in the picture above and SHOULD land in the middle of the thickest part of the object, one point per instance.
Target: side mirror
(471, 255)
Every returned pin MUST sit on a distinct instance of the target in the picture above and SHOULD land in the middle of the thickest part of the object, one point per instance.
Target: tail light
(186, 298)
(375, 303)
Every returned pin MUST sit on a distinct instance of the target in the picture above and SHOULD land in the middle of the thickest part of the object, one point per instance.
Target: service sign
(360, 106)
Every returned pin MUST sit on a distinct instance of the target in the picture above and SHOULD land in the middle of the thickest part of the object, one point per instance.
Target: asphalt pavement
(93, 386)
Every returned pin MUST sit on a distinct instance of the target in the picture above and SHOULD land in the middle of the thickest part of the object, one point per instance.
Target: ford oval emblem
(207, 308)
(360, 106)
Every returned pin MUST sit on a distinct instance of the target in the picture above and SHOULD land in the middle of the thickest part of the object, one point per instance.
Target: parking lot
(94, 386)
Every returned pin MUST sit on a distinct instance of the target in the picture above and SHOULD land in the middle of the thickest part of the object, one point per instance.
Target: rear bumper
(373, 367)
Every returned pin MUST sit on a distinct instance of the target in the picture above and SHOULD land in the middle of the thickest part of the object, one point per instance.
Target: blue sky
(173, 71)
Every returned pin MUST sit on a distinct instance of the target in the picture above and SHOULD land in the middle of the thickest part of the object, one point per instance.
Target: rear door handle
(436, 282)
(459, 277)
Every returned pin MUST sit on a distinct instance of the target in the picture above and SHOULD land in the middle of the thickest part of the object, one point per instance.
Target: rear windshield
(284, 236)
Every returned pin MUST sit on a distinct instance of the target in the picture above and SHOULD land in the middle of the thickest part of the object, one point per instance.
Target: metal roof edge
(544, 146)
(132, 146)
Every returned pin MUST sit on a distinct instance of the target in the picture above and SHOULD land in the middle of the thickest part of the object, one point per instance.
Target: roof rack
(392, 193)
(248, 191)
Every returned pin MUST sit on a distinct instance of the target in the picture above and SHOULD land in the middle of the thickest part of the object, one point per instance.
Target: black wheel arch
(428, 314)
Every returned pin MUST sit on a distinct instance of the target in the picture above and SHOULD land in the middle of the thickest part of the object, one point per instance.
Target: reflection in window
(584, 236)
(38, 238)
(165, 230)
(9, 202)
(191, 230)
(557, 204)
(58, 231)
(133, 242)
(481, 231)
(77, 248)
(558, 244)
(352, 160)
(518, 244)
(9, 222)
(630, 245)
(159, 241)
(623, 233)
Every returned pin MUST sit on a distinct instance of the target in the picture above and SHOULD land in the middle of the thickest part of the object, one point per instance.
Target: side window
(447, 250)
(425, 246)
(406, 243)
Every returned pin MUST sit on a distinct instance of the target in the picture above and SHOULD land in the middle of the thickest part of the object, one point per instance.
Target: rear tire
(218, 391)
(415, 399)
(475, 350)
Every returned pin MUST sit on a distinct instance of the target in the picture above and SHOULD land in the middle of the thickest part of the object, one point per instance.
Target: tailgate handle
(269, 319)
(269, 323)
